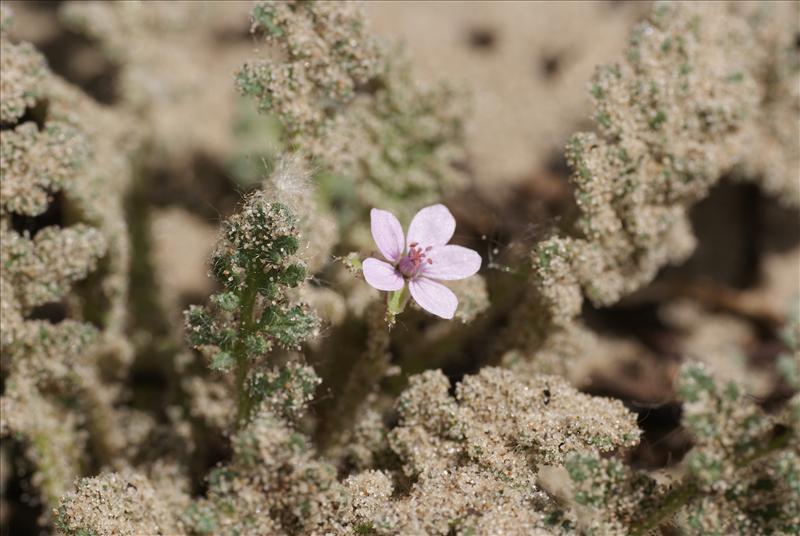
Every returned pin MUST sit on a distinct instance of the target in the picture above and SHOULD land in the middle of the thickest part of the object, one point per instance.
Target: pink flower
(419, 258)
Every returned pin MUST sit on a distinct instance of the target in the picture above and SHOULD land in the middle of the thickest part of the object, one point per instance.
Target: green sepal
(397, 301)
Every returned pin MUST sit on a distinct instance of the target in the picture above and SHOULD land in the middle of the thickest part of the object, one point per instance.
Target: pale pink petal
(387, 233)
(433, 297)
(431, 226)
(451, 262)
(381, 275)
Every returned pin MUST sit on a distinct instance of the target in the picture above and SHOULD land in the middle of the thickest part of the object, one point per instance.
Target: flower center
(412, 263)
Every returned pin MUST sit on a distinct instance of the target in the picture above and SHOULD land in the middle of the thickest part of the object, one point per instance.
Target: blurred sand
(528, 65)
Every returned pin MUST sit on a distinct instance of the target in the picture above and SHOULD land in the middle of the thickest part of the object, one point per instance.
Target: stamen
(411, 263)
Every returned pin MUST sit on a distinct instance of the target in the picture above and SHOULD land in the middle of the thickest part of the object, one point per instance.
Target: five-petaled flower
(420, 257)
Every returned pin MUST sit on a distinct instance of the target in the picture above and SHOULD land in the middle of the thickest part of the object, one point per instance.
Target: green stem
(247, 325)
(689, 490)
(672, 503)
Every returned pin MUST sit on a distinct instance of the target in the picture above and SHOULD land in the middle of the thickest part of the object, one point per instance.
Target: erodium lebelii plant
(297, 405)
(419, 259)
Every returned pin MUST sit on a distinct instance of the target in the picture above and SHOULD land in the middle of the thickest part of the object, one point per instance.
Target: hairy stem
(247, 326)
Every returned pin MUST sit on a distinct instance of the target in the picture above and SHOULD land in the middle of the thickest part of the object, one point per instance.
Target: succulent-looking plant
(468, 450)
(673, 117)
(741, 476)
(348, 102)
(65, 167)
(256, 262)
